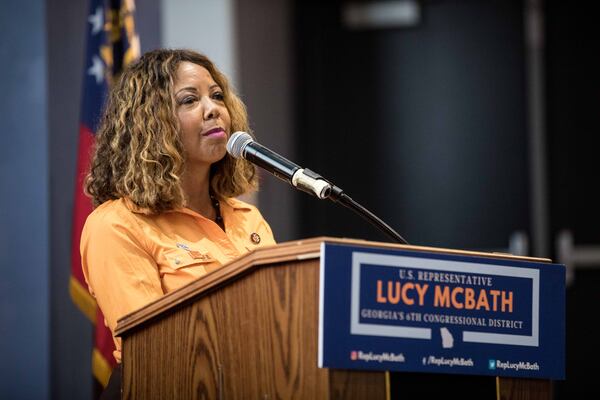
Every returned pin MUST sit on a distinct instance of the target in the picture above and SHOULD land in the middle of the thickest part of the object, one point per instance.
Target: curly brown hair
(139, 154)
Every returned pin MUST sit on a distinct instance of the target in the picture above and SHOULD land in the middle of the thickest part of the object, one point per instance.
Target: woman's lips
(215, 132)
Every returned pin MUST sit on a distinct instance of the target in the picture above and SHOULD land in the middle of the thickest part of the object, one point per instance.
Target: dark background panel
(573, 122)
(425, 125)
(573, 127)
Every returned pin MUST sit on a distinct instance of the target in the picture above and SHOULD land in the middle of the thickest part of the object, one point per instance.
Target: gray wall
(24, 213)
(71, 332)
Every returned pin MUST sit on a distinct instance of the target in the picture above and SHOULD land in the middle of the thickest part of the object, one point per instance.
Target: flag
(111, 44)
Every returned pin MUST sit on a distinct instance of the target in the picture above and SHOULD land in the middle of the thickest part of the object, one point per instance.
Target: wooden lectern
(249, 331)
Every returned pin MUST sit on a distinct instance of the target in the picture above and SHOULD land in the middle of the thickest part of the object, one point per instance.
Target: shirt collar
(236, 204)
(131, 206)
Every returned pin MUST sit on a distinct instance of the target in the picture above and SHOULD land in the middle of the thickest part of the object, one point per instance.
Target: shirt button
(255, 238)
(177, 261)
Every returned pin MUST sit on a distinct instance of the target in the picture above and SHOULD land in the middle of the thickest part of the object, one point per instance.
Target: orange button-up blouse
(131, 257)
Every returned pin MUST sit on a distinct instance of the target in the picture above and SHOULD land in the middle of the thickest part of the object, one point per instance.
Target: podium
(249, 330)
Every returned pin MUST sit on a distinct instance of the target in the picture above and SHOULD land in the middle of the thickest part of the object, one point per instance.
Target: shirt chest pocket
(179, 260)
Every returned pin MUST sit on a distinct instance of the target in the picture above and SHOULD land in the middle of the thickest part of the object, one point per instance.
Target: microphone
(242, 145)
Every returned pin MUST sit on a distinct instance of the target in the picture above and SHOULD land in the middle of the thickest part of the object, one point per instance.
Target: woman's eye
(187, 100)
(218, 96)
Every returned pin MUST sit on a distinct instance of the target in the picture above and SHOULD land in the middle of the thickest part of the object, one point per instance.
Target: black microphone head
(237, 142)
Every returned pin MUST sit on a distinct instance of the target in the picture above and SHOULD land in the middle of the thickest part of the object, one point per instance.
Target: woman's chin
(214, 156)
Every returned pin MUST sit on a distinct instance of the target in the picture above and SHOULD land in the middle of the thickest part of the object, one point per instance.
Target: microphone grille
(237, 142)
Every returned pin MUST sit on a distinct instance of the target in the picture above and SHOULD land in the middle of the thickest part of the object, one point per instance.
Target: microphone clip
(311, 182)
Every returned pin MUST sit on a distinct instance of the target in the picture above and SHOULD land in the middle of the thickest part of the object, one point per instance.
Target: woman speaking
(163, 185)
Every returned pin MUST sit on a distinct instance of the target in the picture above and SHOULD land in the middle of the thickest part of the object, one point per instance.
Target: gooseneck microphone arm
(337, 195)
(242, 145)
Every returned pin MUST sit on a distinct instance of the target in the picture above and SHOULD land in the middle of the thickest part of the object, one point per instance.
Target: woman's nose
(211, 110)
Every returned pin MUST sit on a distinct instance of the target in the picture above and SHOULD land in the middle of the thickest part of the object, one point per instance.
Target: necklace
(217, 207)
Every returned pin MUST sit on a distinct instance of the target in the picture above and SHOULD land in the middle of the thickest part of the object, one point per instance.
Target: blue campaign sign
(409, 310)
